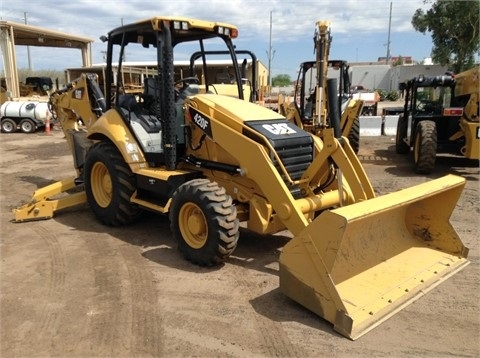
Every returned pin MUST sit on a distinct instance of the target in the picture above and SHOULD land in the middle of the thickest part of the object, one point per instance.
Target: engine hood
(235, 109)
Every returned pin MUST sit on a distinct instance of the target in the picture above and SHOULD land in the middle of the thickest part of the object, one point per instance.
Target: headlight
(180, 25)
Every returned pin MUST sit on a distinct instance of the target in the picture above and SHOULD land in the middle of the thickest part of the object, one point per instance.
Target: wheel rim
(27, 127)
(193, 225)
(7, 127)
(101, 184)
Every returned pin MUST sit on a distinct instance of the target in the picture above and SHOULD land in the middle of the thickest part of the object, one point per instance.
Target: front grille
(294, 148)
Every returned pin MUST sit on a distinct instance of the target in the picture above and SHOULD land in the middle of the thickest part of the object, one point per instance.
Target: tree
(399, 61)
(281, 80)
(455, 31)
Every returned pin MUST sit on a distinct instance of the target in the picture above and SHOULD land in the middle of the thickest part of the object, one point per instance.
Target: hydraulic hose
(333, 108)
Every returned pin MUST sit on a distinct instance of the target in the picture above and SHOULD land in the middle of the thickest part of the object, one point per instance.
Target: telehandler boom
(211, 161)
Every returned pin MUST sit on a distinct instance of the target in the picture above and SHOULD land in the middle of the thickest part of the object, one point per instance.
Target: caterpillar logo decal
(201, 121)
(78, 93)
(279, 128)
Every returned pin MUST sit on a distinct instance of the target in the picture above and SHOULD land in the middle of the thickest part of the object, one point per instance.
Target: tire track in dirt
(275, 339)
(124, 313)
(48, 324)
(147, 326)
(108, 326)
(199, 320)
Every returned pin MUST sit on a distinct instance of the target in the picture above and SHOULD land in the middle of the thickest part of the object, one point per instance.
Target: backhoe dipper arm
(81, 100)
(322, 41)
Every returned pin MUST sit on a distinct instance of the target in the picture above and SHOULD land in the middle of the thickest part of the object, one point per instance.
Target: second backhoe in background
(320, 84)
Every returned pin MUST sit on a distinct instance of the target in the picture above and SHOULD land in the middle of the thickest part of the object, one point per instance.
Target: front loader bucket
(360, 264)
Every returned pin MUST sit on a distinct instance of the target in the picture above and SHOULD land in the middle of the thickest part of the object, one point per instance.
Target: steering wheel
(421, 106)
(187, 81)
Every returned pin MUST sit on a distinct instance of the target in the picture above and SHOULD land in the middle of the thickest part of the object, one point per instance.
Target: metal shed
(16, 34)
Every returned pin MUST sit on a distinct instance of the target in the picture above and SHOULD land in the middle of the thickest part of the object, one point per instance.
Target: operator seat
(151, 93)
(134, 112)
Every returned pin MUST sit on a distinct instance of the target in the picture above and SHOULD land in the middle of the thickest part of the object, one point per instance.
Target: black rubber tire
(27, 126)
(425, 147)
(109, 185)
(354, 135)
(400, 146)
(204, 222)
(9, 125)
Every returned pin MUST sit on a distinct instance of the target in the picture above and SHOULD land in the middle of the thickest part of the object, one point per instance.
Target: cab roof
(184, 29)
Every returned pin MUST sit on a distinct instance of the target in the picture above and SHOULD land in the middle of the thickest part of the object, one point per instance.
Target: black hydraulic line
(333, 108)
(208, 164)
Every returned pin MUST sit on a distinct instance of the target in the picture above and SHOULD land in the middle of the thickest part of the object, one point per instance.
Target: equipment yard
(72, 287)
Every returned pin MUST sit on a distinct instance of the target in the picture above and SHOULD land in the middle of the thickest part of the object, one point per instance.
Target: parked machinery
(316, 93)
(440, 115)
(211, 161)
(26, 115)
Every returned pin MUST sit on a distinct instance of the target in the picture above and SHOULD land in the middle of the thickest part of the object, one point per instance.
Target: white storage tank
(29, 115)
(33, 110)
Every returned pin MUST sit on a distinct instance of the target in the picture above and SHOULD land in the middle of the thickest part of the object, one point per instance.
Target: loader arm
(355, 259)
(268, 171)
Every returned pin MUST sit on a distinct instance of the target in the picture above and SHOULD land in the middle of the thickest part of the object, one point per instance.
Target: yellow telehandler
(440, 115)
(211, 161)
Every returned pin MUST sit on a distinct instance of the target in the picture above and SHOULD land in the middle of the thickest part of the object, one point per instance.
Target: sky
(359, 29)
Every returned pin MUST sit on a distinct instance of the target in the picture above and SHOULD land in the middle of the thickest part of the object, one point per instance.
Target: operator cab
(151, 100)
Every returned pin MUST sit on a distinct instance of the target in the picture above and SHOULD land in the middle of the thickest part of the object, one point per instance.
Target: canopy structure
(13, 33)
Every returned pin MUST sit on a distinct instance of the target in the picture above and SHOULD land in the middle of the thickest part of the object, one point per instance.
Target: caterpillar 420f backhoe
(211, 161)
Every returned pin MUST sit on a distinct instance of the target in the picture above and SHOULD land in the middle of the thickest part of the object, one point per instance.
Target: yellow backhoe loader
(315, 92)
(211, 161)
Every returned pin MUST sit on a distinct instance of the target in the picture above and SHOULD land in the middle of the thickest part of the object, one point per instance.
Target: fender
(112, 126)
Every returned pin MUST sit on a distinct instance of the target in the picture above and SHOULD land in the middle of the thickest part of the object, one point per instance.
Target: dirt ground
(71, 287)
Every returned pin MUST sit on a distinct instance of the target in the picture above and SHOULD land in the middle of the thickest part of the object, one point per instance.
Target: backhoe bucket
(360, 264)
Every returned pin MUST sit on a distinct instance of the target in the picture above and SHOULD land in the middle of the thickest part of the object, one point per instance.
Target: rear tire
(109, 185)
(400, 146)
(27, 126)
(354, 135)
(9, 126)
(204, 222)
(425, 147)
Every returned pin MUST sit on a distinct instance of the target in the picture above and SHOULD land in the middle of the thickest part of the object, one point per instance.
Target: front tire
(354, 135)
(400, 146)
(425, 147)
(109, 185)
(204, 222)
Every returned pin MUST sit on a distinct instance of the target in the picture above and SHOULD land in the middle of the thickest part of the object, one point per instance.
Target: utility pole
(270, 55)
(28, 47)
(388, 39)
(388, 44)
